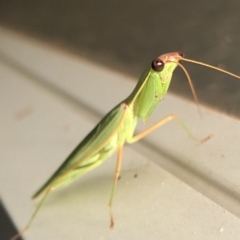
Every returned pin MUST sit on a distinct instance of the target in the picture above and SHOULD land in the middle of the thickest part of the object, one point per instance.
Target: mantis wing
(87, 155)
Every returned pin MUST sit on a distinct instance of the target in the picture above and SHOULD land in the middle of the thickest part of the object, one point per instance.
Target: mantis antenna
(210, 66)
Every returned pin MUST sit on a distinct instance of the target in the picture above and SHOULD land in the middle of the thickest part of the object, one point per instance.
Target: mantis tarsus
(118, 126)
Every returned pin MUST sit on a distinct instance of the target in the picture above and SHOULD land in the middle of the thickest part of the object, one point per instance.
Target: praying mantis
(117, 128)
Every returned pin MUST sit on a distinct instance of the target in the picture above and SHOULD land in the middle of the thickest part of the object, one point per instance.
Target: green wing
(84, 156)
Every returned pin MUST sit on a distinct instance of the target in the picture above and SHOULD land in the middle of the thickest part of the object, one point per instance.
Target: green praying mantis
(117, 128)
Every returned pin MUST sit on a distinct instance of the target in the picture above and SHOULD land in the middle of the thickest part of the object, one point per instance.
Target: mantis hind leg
(161, 123)
(19, 234)
(116, 176)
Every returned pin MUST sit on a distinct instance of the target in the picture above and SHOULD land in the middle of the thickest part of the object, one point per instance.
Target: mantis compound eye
(157, 65)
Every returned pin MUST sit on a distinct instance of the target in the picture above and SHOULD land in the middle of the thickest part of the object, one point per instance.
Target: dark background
(128, 35)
